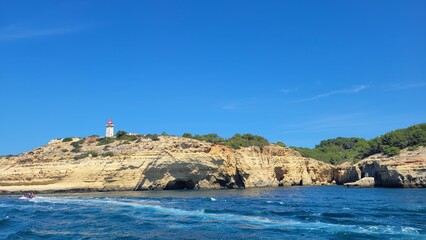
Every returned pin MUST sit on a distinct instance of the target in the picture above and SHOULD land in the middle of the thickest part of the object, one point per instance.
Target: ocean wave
(224, 215)
(408, 210)
(337, 215)
(331, 223)
(24, 233)
(387, 229)
(4, 220)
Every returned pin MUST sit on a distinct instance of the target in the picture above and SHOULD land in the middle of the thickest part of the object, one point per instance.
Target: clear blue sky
(291, 71)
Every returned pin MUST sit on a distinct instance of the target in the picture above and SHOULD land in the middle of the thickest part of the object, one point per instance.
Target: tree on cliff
(237, 141)
(211, 137)
(187, 135)
(120, 134)
(246, 140)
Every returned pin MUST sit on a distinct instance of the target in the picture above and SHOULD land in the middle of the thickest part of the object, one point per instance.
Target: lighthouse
(109, 129)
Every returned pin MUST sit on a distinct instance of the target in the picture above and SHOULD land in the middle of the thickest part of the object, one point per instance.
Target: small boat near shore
(30, 195)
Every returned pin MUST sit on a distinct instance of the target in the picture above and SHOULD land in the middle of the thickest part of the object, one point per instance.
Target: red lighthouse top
(110, 123)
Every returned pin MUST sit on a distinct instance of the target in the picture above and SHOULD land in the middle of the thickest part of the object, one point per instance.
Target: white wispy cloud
(331, 93)
(14, 32)
(352, 122)
(288, 90)
(325, 124)
(400, 86)
(230, 106)
(243, 104)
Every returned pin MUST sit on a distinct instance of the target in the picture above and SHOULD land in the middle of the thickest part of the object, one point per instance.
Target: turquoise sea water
(333, 212)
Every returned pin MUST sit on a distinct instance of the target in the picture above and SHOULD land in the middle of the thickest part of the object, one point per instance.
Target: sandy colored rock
(179, 163)
(366, 182)
(170, 163)
(408, 169)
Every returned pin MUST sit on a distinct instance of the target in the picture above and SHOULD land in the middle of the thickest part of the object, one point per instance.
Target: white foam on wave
(269, 202)
(382, 229)
(55, 200)
(156, 208)
(213, 199)
(206, 216)
(410, 229)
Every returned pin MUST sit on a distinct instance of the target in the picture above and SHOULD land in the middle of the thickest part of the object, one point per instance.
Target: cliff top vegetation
(339, 150)
(237, 141)
(334, 151)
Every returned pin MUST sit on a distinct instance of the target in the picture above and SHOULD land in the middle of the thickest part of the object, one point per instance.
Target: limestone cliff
(141, 163)
(408, 169)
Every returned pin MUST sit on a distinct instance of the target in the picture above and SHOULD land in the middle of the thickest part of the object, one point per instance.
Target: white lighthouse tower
(109, 129)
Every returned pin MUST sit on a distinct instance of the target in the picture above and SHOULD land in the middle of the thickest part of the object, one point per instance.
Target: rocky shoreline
(83, 165)
(406, 170)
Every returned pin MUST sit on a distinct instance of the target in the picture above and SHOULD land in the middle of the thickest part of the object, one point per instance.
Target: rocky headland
(407, 169)
(94, 164)
(141, 163)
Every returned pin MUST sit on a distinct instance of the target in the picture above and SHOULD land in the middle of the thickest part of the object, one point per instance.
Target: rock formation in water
(169, 163)
(365, 182)
(408, 169)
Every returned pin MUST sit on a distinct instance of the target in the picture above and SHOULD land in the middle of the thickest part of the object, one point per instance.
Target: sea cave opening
(180, 184)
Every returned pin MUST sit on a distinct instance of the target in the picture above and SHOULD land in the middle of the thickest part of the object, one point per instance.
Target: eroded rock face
(170, 163)
(405, 170)
(271, 166)
(181, 163)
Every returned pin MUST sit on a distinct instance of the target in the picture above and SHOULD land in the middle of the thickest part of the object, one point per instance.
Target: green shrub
(187, 135)
(120, 134)
(107, 154)
(93, 153)
(68, 139)
(391, 151)
(246, 140)
(211, 137)
(85, 155)
(236, 142)
(339, 150)
(153, 137)
(413, 148)
(81, 156)
(76, 149)
(124, 142)
(64, 150)
(281, 144)
(105, 140)
(129, 138)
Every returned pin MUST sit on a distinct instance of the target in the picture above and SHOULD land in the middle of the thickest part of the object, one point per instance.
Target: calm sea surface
(268, 213)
